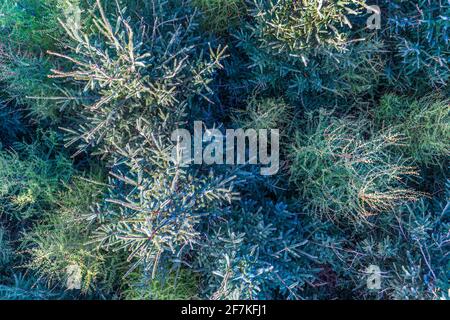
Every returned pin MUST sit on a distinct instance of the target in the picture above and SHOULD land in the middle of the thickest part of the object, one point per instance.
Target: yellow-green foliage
(344, 172)
(6, 251)
(141, 93)
(219, 15)
(301, 26)
(61, 241)
(412, 253)
(33, 24)
(31, 176)
(181, 285)
(265, 114)
(425, 124)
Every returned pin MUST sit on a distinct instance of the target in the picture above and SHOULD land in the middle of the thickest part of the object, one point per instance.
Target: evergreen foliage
(23, 289)
(6, 249)
(33, 24)
(144, 93)
(302, 48)
(343, 174)
(181, 285)
(363, 117)
(419, 34)
(62, 239)
(424, 123)
(26, 84)
(418, 269)
(137, 81)
(263, 114)
(219, 15)
(30, 176)
(264, 252)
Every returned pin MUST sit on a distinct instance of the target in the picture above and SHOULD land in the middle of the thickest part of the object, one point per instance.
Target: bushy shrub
(146, 82)
(156, 217)
(30, 177)
(178, 285)
(424, 123)
(219, 15)
(411, 253)
(12, 127)
(136, 76)
(62, 241)
(344, 172)
(418, 35)
(299, 48)
(26, 85)
(265, 250)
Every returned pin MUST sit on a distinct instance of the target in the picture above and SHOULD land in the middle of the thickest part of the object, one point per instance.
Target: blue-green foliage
(21, 288)
(6, 254)
(419, 35)
(296, 50)
(265, 251)
(11, 123)
(178, 285)
(411, 253)
(145, 82)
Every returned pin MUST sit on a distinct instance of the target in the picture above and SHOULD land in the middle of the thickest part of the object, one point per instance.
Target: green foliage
(129, 222)
(33, 27)
(22, 288)
(26, 84)
(6, 251)
(418, 34)
(181, 285)
(11, 125)
(297, 49)
(61, 241)
(219, 15)
(264, 114)
(412, 253)
(145, 84)
(297, 27)
(157, 219)
(33, 24)
(263, 251)
(424, 123)
(138, 77)
(344, 172)
(30, 176)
